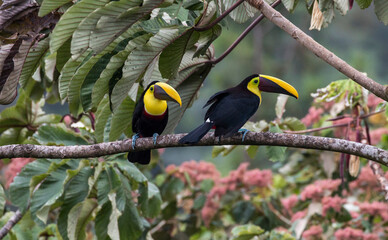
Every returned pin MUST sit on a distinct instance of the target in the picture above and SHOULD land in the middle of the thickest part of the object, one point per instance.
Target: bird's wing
(217, 97)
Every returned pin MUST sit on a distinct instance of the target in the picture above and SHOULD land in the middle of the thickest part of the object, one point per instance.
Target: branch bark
(167, 141)
(11, 222)
(319, 50)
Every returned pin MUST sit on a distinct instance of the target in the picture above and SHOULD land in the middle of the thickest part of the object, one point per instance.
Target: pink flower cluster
(197, 171)
(349, 233)
(318, 189)
(289, 203)
(239, 178)
(14, 167)
(375, 209)
(313, 116)
(332, 203)
(373, 100)
(377, 134)
(366, 179)
(314, 232)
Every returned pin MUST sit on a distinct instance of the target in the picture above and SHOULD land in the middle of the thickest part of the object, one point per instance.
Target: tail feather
(142, 157)
(196, 135)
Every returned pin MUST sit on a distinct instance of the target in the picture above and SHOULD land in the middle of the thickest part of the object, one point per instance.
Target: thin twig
(332, 126)
(320, 51)
(242, 36)
(11, 222)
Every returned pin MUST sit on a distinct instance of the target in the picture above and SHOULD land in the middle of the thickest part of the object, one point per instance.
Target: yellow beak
(273, 84)
(163, 91)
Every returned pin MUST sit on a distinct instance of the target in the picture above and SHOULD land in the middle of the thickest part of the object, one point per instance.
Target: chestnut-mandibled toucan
(150, 116)
(230, 109)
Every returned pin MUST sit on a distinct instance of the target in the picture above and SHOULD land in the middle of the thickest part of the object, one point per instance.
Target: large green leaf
(20, 187)
(138, 61)
(78, 218)
(2, 200)
(276, 153)
(246, 232)
(70, 20)
(117, 18)
(122, 119)
(101, 87)
(58, 135)
(191, 75)
(102, 115)
(342, 6)
(381, 10)
(32, 61)
(172, 55)
(103, 221)
(242, 13)
(151, 207)
(50, 5)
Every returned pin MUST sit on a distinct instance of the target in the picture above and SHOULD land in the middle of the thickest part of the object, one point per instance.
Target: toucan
(150, 116)
(230, 109)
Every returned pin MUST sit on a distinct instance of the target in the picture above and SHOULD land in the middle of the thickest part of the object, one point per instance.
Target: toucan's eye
(256, 81)
(152, 89)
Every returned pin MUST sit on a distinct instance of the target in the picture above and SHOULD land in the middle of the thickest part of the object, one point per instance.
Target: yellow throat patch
(152, 105)
(253, 86)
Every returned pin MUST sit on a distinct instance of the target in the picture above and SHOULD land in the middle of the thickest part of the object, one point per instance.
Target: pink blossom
(313, 116)
(314, 232)
(328, 184)
(373, 100)
(349, 234)
(375, 209)
(170, 168)
(289, 203)
(370, 236)
(366, 179)
(377, 134)
(14, 168)
(197, 171)
(332, 203)
(258, 178)
(298, 215)
(340, 132)
(209, 211)
(312, 192)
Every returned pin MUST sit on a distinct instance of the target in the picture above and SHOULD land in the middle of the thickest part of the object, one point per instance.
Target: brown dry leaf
(316, 17)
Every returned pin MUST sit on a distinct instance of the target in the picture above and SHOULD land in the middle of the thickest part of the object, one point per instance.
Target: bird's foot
(155, 137)
(244, 131)
(134, 138)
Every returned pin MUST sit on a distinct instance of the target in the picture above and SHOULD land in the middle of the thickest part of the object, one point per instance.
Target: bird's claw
(134, 138)
(244, 131)
(155, 137)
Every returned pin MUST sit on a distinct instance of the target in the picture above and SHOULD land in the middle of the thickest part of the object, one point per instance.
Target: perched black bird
(230, 109)
(151, 116)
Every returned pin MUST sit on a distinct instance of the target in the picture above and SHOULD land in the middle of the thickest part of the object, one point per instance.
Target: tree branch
(320, 51)
(168, 141)
(11, 222)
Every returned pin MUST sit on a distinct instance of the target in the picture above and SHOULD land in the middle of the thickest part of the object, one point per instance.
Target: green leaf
(122, 119)
(243, 211)
(77, 189)
(290, 5)
(20, 187)
(117, 18)
(131, 171)
(32, 61)
(151, 207)
(281, 105)
(190, 78)
(101, 87)
(138, 61)
(2, 200)
(381, 10)
(58, 135)
(242, 13)
(252, 151)
(70, 20)
(50, 5)
(102, 115)
(364, 3)
(172, 55)
(246, 232)
(293, 124)
(103, 220)
(276, 153)
(342, 6)
(206, 38)
(78, 218)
